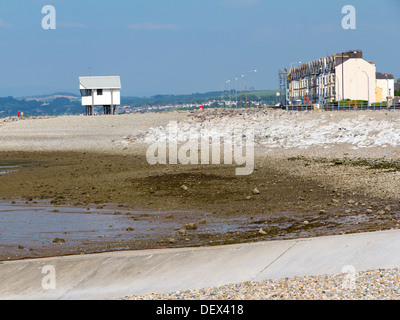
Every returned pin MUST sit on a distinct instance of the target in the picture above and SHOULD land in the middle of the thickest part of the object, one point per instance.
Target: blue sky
(184, 46)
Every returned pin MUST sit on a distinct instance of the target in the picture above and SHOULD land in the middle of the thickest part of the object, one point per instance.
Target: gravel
(102, 133)
(276, 132)
(378, 284)
(278, 129)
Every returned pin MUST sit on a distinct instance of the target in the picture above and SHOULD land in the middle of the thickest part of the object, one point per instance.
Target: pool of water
(5, 169)
(29, 227)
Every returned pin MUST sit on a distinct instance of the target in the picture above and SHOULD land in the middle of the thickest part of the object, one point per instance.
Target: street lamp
(337, 89)
(245, 82)
(229, 82)
(368, 86)
(236, 79)
(387, 84)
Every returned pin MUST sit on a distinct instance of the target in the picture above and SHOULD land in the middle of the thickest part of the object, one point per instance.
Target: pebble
(190, 226)
(182, 232)
(377, 284)
(261, 231)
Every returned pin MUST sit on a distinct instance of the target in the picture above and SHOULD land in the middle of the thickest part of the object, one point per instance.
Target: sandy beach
(315, 174)
(308, 177)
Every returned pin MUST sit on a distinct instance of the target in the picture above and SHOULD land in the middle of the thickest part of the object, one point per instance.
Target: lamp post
(229, 94)
(337, 88)
(387, 84)
(368, 86)
(245, 82)
(342, 76)
(236, 79)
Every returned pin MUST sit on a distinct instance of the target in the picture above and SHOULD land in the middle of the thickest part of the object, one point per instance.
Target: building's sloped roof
(380, 75)
(111, 82)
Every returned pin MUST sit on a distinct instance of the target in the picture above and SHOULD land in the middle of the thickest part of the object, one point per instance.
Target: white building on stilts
(100, 91)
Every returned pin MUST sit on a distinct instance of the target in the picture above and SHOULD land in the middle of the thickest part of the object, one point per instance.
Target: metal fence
(302, 107)
(345, 107)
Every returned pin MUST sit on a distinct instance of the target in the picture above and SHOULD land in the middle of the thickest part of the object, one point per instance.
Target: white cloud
(153, 26)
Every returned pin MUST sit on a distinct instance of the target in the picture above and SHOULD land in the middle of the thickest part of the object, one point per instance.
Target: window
(86, 92)
(99, 92)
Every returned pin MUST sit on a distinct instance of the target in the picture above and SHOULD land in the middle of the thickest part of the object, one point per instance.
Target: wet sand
(155, 210)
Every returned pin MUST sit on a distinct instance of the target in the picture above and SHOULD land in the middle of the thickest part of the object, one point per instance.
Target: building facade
(397, 85)
(342, 76)
(384, 86)
(100, 91)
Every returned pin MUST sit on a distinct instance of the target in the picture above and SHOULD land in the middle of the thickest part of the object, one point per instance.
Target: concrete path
(117, 274)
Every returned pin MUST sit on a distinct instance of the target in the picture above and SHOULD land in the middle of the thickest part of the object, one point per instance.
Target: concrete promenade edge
(113, 275)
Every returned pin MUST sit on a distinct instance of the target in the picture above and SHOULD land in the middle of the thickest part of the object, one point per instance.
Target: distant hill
(51, 97)
(10, 106)
(264, 95)
(62, 103)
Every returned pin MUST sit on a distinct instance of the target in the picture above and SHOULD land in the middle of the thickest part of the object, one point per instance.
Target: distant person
(18, 114)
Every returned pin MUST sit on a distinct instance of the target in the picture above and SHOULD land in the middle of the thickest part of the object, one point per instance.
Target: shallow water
(3, 167)
(28, 228)
(33, 228)
(40, 224)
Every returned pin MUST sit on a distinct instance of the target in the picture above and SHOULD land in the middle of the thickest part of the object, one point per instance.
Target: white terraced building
(342, 76)
(100, 91)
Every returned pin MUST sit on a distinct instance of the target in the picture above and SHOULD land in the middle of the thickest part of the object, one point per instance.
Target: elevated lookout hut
(100, 91)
